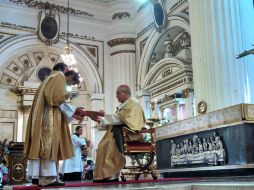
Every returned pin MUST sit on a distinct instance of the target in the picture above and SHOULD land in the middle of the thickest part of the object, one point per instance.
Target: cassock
(75, 164)
(47, 136)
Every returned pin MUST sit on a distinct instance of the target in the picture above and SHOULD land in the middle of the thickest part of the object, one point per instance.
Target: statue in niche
(168, 47)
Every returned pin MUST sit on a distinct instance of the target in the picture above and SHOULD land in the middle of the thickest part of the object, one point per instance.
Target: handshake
(80, 113)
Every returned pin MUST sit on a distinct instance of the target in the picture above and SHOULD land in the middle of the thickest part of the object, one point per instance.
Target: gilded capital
(121, 41)
(26, 109)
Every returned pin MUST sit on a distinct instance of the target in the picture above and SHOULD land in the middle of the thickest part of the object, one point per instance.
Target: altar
(218, 143)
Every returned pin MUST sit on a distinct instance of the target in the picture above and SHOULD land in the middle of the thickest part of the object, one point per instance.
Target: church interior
(188, 63)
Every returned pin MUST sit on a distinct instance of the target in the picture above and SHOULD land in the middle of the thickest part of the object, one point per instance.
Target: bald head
(124, 88)
(123, 92)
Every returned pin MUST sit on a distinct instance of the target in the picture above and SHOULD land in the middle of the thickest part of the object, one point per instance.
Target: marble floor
(222, 183)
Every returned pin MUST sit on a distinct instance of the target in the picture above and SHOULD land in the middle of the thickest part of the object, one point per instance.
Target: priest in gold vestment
(110, 159)
(47, 137)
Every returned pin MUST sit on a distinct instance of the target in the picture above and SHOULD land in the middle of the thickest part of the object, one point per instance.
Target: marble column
(96, 136)
(122, 47)
(26, 110)
(220, 30)
(25, 100)
(123, 63)
(145, 101)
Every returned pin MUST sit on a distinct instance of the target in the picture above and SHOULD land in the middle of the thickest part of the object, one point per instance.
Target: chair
(142, 155)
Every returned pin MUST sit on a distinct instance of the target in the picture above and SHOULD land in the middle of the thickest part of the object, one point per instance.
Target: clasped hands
(80, 113)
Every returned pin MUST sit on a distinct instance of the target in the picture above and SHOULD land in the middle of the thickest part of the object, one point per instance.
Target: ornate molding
(92, 50)
(202, 107)
(54, 7)
(122, 51)
(121, 41)
(17, 26)
(208, 121)
(121, 16)
(21, 90)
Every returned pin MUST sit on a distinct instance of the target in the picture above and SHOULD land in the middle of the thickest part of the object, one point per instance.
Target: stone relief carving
(197, 151)
(153, 60)
(172, 48)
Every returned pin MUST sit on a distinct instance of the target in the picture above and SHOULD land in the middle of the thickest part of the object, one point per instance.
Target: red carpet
(84, 184)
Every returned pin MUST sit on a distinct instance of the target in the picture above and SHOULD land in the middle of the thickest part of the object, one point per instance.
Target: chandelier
(67, 57)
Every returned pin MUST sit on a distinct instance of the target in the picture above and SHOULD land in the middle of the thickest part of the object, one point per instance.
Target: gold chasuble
(109, 161)
(47, 135)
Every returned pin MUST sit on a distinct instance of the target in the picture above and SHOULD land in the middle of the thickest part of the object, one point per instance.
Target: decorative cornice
(122, 51)
(121, 41)
(16, 26)
(121, 15)
(50, 6)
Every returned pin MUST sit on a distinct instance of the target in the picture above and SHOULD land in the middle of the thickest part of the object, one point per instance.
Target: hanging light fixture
(67, 57)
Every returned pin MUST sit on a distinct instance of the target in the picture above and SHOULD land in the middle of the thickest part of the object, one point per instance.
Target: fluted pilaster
(123, 62)
(219, 31)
